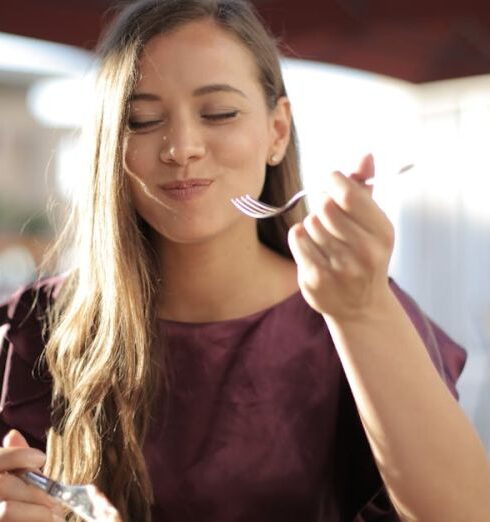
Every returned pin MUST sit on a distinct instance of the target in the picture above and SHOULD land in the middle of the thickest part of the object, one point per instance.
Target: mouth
(185, 189)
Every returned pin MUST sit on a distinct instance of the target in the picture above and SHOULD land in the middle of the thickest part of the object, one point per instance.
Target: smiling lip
(185, 190)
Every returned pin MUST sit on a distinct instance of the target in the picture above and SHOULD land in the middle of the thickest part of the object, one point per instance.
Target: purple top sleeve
(26, 386)
(448, 357)
(260, 423)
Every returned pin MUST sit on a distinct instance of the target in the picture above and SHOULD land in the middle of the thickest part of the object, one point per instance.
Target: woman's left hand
(343, 248)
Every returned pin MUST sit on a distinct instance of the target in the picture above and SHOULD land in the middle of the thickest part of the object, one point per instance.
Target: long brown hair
(102, 324)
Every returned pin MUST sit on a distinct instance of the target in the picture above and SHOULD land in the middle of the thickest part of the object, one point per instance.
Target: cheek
(139, 156)
(243, 149)
(138, 167)
(146, 205)
(138, 194)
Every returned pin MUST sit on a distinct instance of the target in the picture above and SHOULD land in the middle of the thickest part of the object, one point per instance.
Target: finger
(13, 511)
(321, 236)
(340, 255)
(12, 488)
(339, 224)
(14, 439)
(365, 171)
(314, 266)
(303, 248)
(21, 458)
(355, 202)
(18, 454)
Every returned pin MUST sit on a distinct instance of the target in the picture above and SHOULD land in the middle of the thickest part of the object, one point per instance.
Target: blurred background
(408, 81)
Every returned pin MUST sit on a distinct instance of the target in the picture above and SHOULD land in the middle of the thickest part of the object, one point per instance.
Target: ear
(280, 130)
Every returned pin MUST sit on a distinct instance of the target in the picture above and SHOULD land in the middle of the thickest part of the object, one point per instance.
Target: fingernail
(8, 436)
(337, 174)
(332, 180)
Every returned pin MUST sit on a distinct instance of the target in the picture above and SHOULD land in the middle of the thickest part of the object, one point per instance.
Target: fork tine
(255, 209)
(250, 203)
(247, 203)
(239, 205)
(244, 207)
(256, 206)
(259, 204)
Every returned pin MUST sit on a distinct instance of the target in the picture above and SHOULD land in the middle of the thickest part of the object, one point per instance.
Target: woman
(192, 369)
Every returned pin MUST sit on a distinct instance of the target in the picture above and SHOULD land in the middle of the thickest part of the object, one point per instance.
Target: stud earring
(274, 159)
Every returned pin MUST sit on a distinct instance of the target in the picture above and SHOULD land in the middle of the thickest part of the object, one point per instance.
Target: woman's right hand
(21, 502)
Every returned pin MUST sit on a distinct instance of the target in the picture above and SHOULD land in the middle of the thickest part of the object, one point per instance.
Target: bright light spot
(69, 165)
(62, 102)
(341, 114)
(17, 267)
(19, 54)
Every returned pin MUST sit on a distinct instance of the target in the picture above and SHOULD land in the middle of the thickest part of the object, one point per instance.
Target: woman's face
(199, 132)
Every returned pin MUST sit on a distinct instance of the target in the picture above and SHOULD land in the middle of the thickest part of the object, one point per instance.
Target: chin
(193, 228)
(190, 233)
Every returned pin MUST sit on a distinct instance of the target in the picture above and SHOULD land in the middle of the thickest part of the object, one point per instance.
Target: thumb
(365, 171)
(14, 439)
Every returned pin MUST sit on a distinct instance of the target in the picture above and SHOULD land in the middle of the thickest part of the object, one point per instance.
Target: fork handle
(40, 481)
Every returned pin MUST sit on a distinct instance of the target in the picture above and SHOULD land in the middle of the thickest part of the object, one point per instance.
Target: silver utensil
(76, 498)
(256, 209)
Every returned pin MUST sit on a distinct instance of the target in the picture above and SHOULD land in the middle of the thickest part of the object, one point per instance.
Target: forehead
(195, 53)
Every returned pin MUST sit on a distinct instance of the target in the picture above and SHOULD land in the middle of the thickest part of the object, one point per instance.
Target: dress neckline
(297, 295)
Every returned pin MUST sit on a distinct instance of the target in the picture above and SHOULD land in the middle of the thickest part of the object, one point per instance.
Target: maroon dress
(260, 424)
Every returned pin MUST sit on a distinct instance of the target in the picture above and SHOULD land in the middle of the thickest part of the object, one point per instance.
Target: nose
(182, 143)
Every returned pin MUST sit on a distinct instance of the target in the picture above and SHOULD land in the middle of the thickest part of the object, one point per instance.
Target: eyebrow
(200, 91)
(217, 87)
(143, 96)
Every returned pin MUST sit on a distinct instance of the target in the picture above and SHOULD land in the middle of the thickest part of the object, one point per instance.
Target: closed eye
(220, 116)
(141, 125)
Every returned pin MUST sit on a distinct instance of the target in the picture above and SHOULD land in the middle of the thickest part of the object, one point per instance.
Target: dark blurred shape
(415, 40)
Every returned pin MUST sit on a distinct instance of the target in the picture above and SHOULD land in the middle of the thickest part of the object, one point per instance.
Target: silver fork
(76, 498)
(256, 209)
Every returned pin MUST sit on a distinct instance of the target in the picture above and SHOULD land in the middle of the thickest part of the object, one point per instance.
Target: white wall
(445, 227)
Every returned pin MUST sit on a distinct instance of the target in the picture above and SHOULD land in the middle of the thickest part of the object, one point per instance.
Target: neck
(222, 278)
